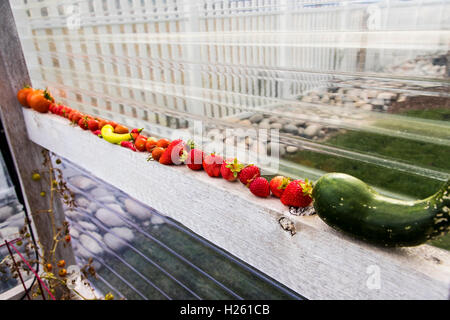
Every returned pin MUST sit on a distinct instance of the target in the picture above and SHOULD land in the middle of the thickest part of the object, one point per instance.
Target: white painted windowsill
(317, 262)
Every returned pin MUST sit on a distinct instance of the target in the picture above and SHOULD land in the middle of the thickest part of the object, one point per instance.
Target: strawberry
(297, 194)
(248, 174)
(128, 144)
(260, 187)
(98, 133)
(195, 159)
(57, 109)
(230, 169)
(212, 164)
(51, 108)
(135, 133)
(76, 117)
(92, 124)
(278, 184)
(174, 152)
(83, 123)
(65, 111)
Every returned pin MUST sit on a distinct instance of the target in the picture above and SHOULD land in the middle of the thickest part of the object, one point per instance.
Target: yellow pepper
(109, 135)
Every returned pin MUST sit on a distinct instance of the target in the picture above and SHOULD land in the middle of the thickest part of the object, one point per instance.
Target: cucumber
(349, 205)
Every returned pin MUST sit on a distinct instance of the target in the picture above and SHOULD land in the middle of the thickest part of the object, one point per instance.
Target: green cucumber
(349, 205)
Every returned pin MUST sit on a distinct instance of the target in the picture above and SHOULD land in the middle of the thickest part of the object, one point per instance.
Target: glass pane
(359, 87)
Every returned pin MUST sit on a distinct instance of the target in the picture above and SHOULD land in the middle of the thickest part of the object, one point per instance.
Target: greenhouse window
(300, 89)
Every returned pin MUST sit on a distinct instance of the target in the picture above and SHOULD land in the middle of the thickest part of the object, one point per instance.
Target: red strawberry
(57, 110)
(76, 117)
(297, 194)
(230, 169)
(248, 174)
(135, 132)
(83, 123)
(128, 144)
(174, 152)
(98, 133)
(65, 111)
(278, 184)
(195, 159)
(51, 108)
(212, 164)
(92, 124)
(260, 187)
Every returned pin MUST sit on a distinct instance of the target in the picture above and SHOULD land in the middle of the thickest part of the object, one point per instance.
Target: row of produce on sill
(342, 201)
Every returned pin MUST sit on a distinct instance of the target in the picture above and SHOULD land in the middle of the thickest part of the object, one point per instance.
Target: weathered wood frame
(27, 155)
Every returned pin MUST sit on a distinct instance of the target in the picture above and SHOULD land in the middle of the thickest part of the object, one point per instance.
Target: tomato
(150, 144)
(157, 152)
(102, 123)
(61, 263)
(22, 95)
(39, 100)
(48, 267)
(113, 124)
(140, 142)
(163, 143)
(62, 272)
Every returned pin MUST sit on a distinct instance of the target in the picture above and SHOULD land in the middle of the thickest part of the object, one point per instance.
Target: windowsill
(317, 262)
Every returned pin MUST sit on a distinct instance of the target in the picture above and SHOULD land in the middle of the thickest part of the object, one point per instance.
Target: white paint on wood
(317, 262)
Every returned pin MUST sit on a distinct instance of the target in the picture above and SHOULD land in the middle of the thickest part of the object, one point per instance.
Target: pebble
(256, 118)
(6, 212)
(156, 220)
(312, 130)
(264, 125)
(290, 128)
(91, 244)
(245, 122)
(108, 218)
(83, 183)
(114, 242)
(88, 226)
(73, 215)
(276, 125)
(123, 233)
(299, 123)
(100, 192)
(291, 149)
(74, 233)
(386, 96)
(82, 202)
(8, 232)
(137, 210)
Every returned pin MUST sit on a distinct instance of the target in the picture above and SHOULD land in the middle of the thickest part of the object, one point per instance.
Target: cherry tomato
(22, 95)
